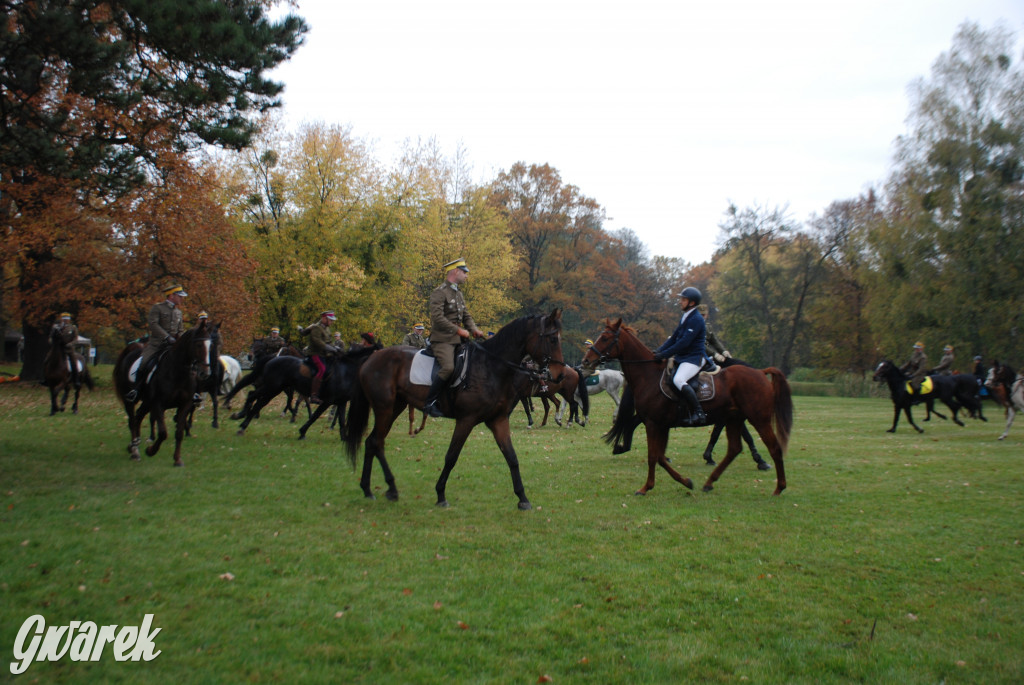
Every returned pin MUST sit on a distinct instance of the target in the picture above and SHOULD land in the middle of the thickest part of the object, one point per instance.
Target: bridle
(605, 354)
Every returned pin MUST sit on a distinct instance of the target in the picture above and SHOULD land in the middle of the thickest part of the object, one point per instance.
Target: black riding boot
(431, 407)
(140, 380)
(697, 417)
(314, 395)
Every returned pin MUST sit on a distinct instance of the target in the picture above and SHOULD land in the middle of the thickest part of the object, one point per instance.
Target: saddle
(703, 383)
(425, 367)
(927, 386)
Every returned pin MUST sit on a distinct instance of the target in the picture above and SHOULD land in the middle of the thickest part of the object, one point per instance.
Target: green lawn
(889, 558)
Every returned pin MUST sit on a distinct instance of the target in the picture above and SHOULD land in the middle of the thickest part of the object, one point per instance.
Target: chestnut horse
(57, 373)
(173, 385)
(494, 383)
(759, 396)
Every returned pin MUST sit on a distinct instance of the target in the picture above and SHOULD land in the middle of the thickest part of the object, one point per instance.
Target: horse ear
(617, 323)
(556, 314)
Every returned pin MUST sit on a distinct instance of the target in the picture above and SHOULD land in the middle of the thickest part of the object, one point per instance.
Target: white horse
(232, 373)
(1014, 402)
(609, 380)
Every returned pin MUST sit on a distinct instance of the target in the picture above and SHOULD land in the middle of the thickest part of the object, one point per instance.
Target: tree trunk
(37, 344)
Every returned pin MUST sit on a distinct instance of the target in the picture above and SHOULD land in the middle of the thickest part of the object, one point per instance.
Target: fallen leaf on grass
(544, 679)
(437, 606)
(227, 576)
(462, 625)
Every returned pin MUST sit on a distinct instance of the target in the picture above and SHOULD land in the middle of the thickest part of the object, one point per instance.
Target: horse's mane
(624, 327)
(517, 330)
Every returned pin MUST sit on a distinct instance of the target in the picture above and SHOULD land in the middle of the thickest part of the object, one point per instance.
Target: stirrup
(431, 409)
(132, 395)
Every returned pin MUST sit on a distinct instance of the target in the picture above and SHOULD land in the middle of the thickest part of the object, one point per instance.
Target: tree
(100, 100)
(955, 204)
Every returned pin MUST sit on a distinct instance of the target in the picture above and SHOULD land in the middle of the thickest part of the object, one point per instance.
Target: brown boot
(314, 395)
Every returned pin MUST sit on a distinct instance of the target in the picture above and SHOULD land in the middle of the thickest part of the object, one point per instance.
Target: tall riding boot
(697, 417)
(140, 381)
(314, 395)
(431, 407)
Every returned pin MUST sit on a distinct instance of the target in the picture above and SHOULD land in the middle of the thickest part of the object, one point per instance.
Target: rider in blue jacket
(686, 346)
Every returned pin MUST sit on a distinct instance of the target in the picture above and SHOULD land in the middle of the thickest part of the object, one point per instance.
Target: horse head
(544, 343)
(607, 346)
(197, 348)
(885, 370)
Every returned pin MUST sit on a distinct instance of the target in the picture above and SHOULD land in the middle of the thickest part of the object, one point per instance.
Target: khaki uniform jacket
(164, 321)
(319, 339)
(68, 335)
(272, 345)
(711, 341)
(448, 314)
(944, 365)
(414, 340)
(916, 366)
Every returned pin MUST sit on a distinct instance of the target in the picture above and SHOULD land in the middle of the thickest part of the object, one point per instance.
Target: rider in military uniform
(943, 369)
(450, 324)
(165, 325)
(320, 346)
(415, 338)
(68, 336)
(273, 343)
(916, 366)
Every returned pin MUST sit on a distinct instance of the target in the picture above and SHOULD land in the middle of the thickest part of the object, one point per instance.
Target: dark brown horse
(741, 393)
(492, 386)
(172, 386)
(549, 392)
(57, 373)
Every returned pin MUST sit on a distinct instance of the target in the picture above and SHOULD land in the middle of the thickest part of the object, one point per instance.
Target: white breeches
(684, 372)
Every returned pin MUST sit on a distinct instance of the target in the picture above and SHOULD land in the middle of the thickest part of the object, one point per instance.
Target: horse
(548, 392)
(741, 393)
(211, 384)
(494, 382)
(255, 375)
(1007, 388)
(610, 381)
(57, 373)
(956, 392)
(172, 385)
(292, 374)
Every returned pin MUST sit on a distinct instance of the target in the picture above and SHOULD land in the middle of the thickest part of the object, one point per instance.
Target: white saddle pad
(422, 367)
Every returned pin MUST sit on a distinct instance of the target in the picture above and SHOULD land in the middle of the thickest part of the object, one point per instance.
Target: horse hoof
(302, 436)
(763, 466)
(710, 462)
(688, 484)
(442, 504)
(135, 457)
(178, 464)
(240, 431)
(525, 506)
(640, 493)
(391, 495)
(369, 495)
(619, 449)
(891, 430)
(707, 488)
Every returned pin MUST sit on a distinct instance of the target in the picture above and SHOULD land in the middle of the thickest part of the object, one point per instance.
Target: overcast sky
(663, 112)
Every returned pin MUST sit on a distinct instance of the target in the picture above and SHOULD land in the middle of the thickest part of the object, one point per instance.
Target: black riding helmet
(692, 294)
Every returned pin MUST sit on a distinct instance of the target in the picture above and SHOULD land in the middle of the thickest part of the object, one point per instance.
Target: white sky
(662, 111)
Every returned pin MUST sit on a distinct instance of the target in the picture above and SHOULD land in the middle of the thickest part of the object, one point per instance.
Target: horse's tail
(87, 377)
(355, 424)
(782, 409)
(121, 383)
(584, 395)
(624, 423)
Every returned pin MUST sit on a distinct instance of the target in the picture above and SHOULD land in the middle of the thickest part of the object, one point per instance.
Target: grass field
(889, 559)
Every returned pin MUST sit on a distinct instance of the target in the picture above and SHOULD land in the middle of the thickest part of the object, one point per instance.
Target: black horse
(57, 373)
(255, 376)
(212, 383)
(292, 374)
(494, 383)
(957, 392)
(173, 385)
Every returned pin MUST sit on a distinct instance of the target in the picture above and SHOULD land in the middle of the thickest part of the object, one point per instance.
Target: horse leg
(1010, 413)
(930, 409)
(134, 421)
(451, 457)
(910, 420)
(320, 409)
(74, 407)
(423, 422)
(716, 433)
(54, 391)
(657, 442)
(764, 429)
(257, 403)
(544, 400)
(213, 402)
(503, 436)
(161, 435)
(180, 417)
(762, 465)
(382, 422)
